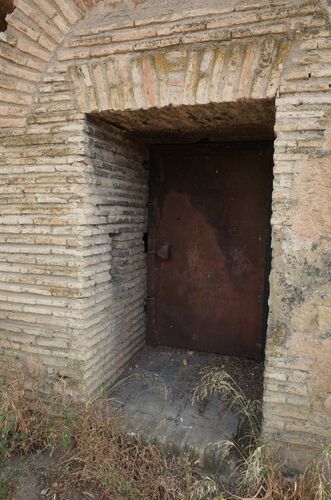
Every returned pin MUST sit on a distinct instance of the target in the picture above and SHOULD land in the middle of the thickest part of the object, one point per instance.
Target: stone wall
(71, 208)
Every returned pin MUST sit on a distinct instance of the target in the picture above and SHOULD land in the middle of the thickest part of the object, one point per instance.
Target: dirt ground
(247, 373)
(34, 478)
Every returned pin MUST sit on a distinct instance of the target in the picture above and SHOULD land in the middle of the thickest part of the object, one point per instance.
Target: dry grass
(215, 381)
(114, 465)
(260, 472)
(26, 421)
(95, 457)
(97, 460)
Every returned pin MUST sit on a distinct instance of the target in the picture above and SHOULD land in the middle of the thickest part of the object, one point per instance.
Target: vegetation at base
(259, 472)
(99, 461)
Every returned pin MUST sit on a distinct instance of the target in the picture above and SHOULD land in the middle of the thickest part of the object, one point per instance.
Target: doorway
(209, 246)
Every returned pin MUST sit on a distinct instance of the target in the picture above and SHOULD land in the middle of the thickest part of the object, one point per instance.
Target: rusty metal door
(208, 238)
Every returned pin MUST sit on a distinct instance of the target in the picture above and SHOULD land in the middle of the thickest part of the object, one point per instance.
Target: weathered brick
(68, 182)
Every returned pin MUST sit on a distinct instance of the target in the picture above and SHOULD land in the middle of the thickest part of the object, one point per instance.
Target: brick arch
(248, 70)
(38, 30)
(34, 32)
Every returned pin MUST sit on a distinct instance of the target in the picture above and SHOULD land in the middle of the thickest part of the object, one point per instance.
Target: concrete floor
(153, 399)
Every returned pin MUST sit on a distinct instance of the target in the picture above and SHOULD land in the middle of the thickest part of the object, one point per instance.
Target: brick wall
(73, 190)
(298, 375)
(118, 194)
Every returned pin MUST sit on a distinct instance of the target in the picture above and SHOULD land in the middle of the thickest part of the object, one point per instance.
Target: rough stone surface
(215, 122)
(154, 399)
(73, 191)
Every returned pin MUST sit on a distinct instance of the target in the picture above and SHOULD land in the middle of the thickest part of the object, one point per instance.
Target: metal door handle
(164, 251)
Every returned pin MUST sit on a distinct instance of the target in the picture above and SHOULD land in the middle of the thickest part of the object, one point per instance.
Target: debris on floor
(154, 399)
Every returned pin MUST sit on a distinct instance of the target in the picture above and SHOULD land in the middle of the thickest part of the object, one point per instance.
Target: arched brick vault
(60, 60)
(36, 30)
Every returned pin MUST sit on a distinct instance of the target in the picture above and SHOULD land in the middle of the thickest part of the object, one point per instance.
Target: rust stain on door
(209, 231)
